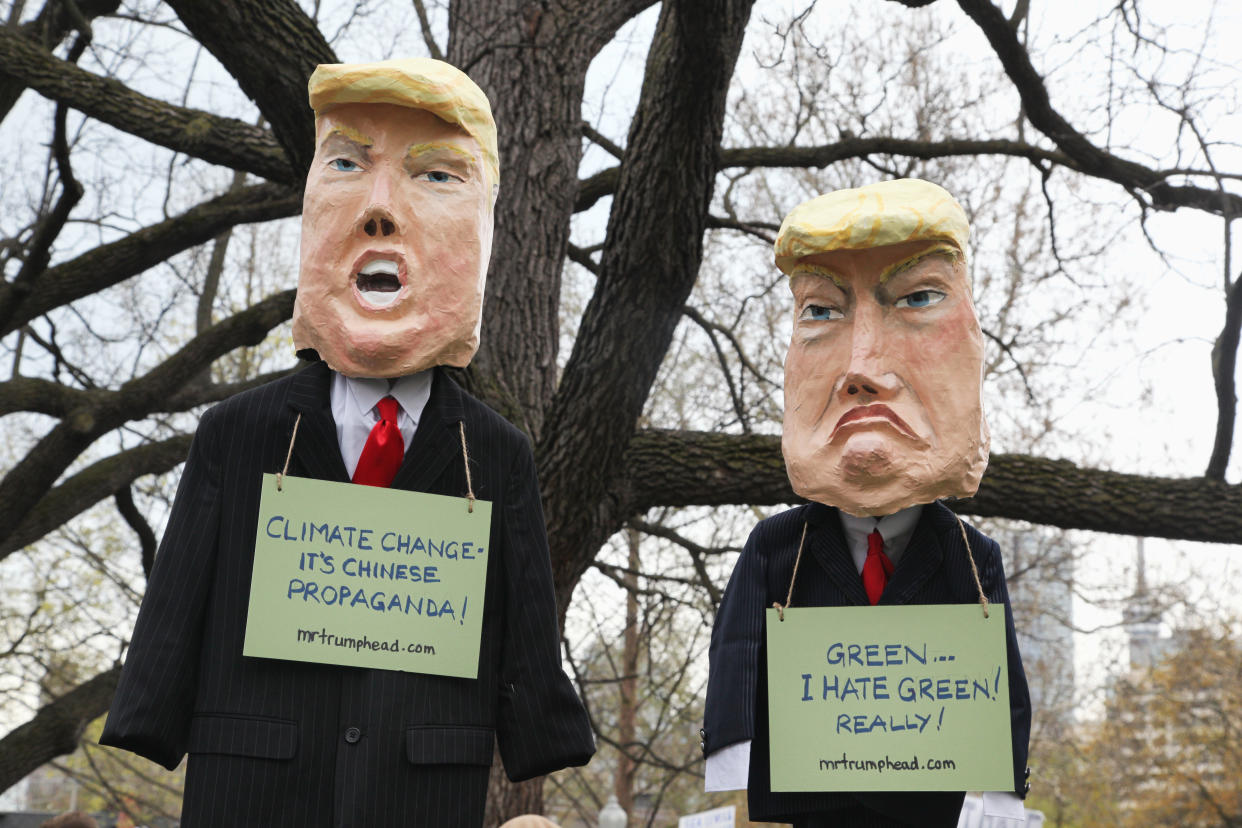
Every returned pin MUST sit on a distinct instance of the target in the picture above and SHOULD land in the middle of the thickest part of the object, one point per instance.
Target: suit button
(352, 735)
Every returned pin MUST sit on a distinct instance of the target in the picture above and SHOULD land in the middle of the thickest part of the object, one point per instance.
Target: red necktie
(381, 456)
(876, 568)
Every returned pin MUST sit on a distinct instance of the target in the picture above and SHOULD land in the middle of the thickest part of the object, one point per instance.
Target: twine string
(465, 456)
(776, 605)
(280, 475)
(974, 570)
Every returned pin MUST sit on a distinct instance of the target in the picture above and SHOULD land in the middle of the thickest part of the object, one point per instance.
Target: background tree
(148, 273)
(1174, 730)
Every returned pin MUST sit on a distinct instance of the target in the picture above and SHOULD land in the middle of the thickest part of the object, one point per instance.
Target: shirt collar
(896, 530)
(411, 392)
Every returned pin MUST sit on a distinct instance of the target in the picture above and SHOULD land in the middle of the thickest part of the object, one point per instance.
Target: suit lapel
(437, 441)
(316, 449)
(826, 542)
(919, 562)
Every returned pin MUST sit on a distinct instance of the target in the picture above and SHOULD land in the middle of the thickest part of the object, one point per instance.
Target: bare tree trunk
(506, 799)
(626, 766)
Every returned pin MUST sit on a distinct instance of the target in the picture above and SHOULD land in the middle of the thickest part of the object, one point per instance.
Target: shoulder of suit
(245, 404)
(985, 550)
(981, 546)
(783, 526)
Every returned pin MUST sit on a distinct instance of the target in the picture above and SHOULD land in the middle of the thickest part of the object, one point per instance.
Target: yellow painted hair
(890, 212)
(419, 83)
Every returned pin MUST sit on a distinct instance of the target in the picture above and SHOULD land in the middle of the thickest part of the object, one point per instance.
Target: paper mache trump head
(884, 374)
(396, 217)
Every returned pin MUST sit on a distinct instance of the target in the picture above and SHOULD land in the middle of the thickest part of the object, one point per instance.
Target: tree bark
(531, 59)
(649, 264)
(225, 141)
(270, 48)
(53, 23)
(681, 468)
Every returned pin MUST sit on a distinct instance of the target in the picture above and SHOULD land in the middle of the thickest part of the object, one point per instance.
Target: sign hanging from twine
(888, 698)
(364, 576)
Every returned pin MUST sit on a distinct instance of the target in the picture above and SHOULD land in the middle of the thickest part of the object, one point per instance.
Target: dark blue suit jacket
(933, 570)
(292, 743)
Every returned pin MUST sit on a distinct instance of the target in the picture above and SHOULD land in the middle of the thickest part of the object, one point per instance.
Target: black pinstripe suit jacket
(933, 570)
(286, 743)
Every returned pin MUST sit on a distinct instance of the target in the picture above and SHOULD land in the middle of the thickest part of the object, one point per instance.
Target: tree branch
(111, 263)
(146, 537)
(429, 39)
(91, 485)
(39, 252)
(1088, 158)
(225, 141)
(21, 488)
(48, 29)
(681, 468)
(697, 553)
(56, 729)
(604, 182)
(602, 141)
(271, 48)
(1224, 365)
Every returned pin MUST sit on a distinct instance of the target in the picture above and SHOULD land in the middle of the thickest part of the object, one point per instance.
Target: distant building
(1039, 568)
(1165, 730)
(1141, 619)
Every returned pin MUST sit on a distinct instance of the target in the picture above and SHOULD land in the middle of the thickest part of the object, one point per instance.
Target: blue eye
(438, 176)
(921, 299)
(344, 165)
(820, 313)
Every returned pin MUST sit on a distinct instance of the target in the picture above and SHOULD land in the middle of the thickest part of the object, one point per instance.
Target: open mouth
(378, 282)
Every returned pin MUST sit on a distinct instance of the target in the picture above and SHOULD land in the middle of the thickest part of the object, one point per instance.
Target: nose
(867, 375)
(378, 224)
(378, 219)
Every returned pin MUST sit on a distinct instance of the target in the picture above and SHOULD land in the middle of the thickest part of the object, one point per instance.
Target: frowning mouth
(863, 416)
(378, 280)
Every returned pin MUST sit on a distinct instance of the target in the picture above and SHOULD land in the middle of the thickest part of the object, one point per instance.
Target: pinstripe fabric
(933, 570)
(274, 742)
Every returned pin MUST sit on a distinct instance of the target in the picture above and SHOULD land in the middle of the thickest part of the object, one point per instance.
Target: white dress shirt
(353, 409)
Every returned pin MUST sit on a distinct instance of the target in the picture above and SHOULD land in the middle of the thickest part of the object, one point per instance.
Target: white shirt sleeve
(1006, 806)
(728, 769)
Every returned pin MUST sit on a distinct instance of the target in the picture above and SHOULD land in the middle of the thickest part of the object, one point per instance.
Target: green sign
(368, 577)
(908, 698)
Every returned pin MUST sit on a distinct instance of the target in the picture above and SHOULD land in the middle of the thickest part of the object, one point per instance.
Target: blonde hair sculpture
(419, 83)
(889, 212)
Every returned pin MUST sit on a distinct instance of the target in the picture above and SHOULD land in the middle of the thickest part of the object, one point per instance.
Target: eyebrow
(946, 251)
(347, 141)
(818, 270)
(451, 154)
